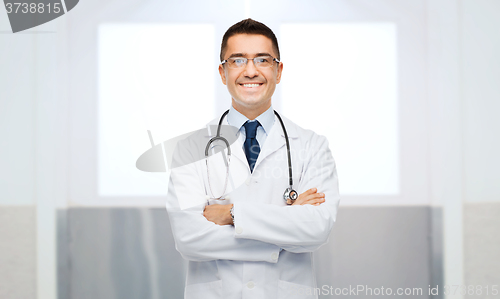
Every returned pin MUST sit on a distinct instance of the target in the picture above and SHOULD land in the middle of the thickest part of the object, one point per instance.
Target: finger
(307, 192)
(313, 201)
(312, 190)
(314, 196)
(316, 200)
(304, 198)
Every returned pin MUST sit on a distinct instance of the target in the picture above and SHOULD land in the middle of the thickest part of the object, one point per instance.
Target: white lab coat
(268, 251)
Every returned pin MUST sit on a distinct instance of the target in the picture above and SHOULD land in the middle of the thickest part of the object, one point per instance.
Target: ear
(222, 74)
(280, 69)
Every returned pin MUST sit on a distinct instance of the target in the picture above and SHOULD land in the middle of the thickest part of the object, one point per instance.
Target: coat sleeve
(196, 238)
(302, 228)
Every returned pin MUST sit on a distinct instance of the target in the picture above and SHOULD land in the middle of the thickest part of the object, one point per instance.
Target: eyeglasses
(240, 62)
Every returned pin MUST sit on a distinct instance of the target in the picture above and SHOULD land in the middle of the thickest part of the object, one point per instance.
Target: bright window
(157, 77)
(340, 80)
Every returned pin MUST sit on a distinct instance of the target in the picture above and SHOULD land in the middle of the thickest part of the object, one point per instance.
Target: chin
(252, 104)
(248, 102)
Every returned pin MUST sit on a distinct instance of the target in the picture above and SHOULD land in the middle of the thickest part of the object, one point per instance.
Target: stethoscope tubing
(290, 178)
(288, 192)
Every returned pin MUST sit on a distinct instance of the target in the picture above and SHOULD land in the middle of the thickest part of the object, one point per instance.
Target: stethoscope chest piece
(290, 196)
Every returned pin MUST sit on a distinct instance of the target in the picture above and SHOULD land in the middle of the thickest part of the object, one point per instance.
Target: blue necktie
(252, 148)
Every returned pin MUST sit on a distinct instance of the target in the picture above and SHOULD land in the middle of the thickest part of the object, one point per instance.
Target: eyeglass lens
(239, 62)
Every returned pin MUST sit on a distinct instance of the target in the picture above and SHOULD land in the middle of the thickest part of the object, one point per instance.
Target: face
(251, 88)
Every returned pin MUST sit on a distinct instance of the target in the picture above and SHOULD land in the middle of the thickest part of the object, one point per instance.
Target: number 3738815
(39, 8)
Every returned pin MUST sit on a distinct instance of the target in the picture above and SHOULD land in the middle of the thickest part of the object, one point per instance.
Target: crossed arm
(204, 233)
(219, 214)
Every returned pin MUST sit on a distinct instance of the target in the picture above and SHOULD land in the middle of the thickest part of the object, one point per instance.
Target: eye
(263, 59)
(239, 60)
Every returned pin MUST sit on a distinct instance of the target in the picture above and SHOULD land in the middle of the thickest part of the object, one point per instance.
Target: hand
(218, 214)
(310, 197)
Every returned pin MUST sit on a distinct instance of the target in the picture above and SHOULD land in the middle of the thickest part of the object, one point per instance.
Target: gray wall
(111, 255)
(482, 245)
(129, 252)
(17, 252)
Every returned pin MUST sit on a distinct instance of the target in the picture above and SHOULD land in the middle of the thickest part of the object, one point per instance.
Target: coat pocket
(207, 290)
(290, 290)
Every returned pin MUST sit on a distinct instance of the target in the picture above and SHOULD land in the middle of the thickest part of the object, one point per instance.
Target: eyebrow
(245, 54)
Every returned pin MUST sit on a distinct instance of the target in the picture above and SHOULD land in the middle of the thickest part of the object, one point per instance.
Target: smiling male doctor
(254, 245)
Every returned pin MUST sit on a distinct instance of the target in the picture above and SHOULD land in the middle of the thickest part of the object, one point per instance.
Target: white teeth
(251, 85)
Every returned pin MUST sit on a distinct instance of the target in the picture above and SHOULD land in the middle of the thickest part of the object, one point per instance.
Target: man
(252, 244)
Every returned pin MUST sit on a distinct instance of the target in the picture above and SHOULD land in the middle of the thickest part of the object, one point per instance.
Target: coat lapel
(276, 139)
(238, 152)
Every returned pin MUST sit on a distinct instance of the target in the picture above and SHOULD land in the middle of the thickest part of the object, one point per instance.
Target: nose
(251, 70)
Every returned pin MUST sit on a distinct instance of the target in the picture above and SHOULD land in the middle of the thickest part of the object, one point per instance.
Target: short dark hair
(249, 26)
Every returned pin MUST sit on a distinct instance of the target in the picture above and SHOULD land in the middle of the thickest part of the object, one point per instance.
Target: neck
(252, 112)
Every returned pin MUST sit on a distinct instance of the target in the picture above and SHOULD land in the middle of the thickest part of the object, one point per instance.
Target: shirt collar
(266, 119)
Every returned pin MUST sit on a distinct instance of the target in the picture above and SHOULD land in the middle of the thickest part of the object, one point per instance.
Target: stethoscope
(289, 196)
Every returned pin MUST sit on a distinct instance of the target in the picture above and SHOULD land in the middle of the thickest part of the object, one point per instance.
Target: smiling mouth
(251, 85)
